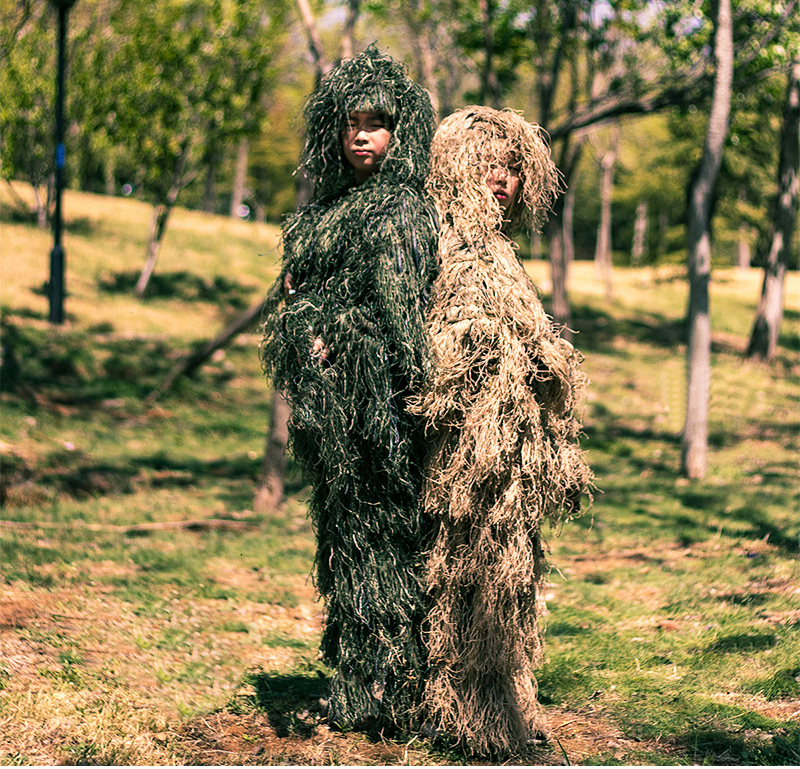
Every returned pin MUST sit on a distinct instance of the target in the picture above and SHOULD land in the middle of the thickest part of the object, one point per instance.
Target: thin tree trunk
(490, 87)
(568, 229)
(109, 174)
(743, 251)
(240, 177)
(41, 208)
(602, 256)
(353, 10)
(210, 191)
(663, 226)
(558, 270)
(694, 447)
(269, 493)
(559, 267)
(769, 316)
(639, 233)
(158, 222)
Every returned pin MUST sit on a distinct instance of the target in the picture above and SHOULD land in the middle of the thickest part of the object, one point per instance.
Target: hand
(288, 286)
(319, 348)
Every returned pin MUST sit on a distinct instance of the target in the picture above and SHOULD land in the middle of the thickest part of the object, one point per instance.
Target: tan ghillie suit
(499, 414)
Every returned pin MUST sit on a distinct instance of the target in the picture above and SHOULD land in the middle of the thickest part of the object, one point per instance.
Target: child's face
(364, 141)
(503, 182)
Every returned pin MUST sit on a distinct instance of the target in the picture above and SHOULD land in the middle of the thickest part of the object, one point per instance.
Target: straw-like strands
(362, 259)
(500, 416)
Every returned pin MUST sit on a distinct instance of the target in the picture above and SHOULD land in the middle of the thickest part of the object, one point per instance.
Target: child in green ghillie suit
(500, 418)
(345, 339)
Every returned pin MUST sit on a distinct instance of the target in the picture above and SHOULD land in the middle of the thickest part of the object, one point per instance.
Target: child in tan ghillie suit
(502, 432)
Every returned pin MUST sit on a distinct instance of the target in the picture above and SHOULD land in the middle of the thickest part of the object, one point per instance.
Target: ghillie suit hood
(362, 258)
(500, 420)
(466, 145)
(369, 82)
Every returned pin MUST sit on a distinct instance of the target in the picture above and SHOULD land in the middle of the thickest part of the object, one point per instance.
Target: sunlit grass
(673, 618)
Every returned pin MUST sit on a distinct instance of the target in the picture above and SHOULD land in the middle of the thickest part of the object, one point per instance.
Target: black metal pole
(57, 254)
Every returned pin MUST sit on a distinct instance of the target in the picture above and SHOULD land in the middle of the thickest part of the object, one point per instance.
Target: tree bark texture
(764, 336)
(240, 177)
(158, 222)
(559, 299)
(602, 256)
(639, 234)
(568, 228)
(743, 251)
(270, 494)
(490, 88)
(694, 447)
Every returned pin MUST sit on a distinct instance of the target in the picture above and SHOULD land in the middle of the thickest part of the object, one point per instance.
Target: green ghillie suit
(502, 432)
(362, 258)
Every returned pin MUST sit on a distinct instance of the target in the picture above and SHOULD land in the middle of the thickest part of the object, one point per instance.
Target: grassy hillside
(148, 616)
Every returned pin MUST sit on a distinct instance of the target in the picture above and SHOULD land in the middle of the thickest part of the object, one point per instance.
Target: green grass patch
(673, 618)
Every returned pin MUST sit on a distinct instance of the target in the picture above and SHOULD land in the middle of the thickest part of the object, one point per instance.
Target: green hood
(369, 82)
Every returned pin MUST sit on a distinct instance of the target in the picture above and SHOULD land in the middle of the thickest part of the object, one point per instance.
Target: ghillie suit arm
(362, 259)
(500, 417)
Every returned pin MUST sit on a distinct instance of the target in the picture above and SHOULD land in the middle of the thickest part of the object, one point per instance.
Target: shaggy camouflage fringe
(362, 259)
(502, 430)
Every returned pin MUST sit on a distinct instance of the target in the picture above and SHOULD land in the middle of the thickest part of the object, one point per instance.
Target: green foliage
(27, 82)
(171, 96)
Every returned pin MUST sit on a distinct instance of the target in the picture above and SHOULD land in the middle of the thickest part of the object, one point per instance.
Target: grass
(673, 632)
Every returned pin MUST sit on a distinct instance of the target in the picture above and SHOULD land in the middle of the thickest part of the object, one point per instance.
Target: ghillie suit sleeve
(503, 456)
(362, 259)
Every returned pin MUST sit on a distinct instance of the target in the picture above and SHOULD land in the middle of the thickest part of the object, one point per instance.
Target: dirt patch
(251, 739)
(16, 611)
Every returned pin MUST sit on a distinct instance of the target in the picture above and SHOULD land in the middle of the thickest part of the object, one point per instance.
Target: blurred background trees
(198, 102)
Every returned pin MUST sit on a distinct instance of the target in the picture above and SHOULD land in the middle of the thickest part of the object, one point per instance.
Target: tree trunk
(558, 270)
(568, 229)
(269, 493)
(353, 11)
(602, 256)
(41, 208)
(489, 85)
(663, 227)
(158, 222)
(639, 233)
(764, 336)
(210, 191)
(240, 177)
(743, 253)
(109, 174)
(559, 267)
(694, 447)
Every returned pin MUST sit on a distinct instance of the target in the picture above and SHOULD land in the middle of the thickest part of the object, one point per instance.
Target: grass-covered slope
(130, 637)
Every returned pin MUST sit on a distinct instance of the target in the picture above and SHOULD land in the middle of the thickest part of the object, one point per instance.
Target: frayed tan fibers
(499, 412)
